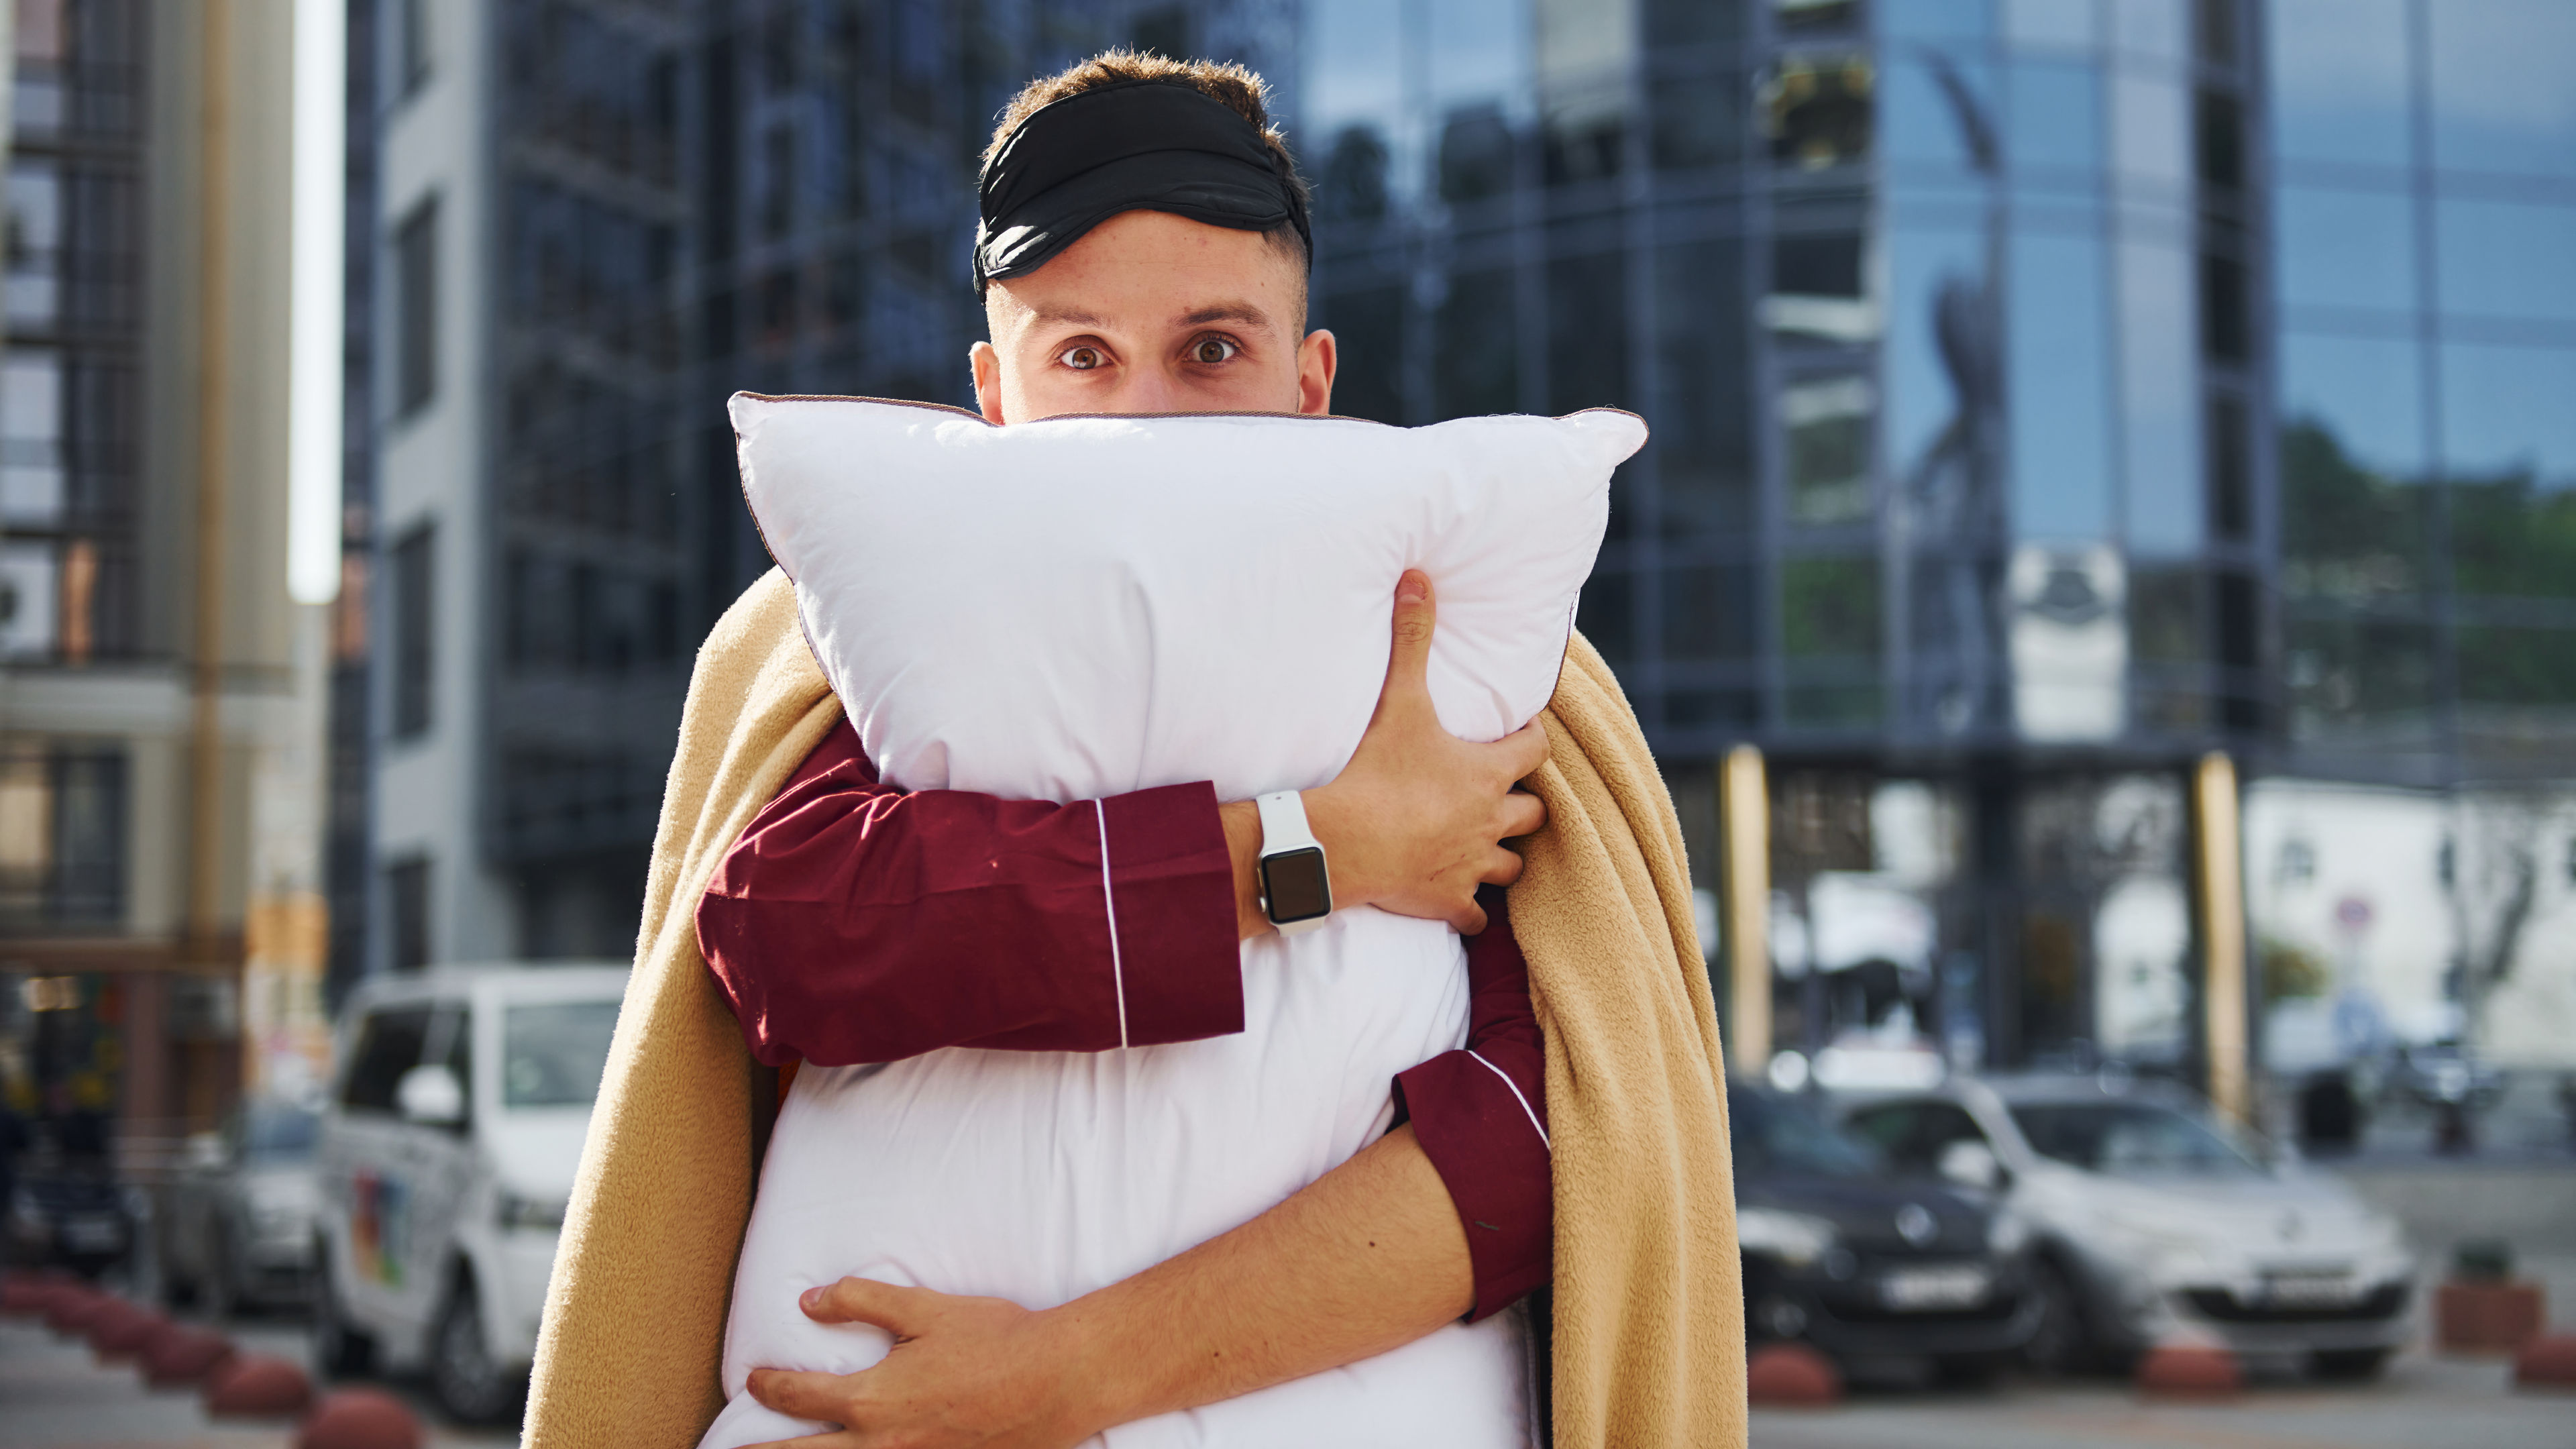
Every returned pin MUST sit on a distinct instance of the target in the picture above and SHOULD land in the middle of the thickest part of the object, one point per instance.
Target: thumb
(1409, 663)
(895, 1309)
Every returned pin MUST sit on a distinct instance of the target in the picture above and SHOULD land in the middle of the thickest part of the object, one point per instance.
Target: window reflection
(1829, 607)
(1587, 332)
(1817, 110)
(2506, 259)
(1352, 183)
(2056, 118)
(2501, 97)
(2344, 248)
(1477, 369)
(2148, 130)
(2160, 401)
(2345, 98)
(2059, 23)
(1708, 612)
(1703, 424)
(2058, 366)
(1698, 120)
(1828, 422)
(31, 439)
(1475, 155)
(1940, 109)
(2508, 410)
(35, 240)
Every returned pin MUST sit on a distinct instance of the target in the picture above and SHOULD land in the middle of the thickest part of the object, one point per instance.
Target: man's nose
(1152, 390)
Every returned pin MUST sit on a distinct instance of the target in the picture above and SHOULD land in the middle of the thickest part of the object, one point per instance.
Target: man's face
(1154, 313)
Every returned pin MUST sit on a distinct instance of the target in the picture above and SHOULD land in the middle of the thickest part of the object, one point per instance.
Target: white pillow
(1086, 606)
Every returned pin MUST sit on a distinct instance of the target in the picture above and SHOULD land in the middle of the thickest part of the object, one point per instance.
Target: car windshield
(552, 1054)
(1777, 1135)
(278, 1133)
(2129, 1139)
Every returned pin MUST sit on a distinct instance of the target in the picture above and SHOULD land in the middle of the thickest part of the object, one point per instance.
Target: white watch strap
(1283, 822)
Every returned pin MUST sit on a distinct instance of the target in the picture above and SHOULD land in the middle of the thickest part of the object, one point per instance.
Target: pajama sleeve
(855, 922)
(1480, 1113)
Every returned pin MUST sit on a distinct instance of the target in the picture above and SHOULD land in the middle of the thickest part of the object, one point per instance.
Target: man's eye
(1212, 350)
(1081, 358)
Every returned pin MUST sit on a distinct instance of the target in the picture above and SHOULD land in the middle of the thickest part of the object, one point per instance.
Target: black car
(1841, 1254)
(73, 1216)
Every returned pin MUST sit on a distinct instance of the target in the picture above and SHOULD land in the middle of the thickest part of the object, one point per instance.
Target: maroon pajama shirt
(855, 922)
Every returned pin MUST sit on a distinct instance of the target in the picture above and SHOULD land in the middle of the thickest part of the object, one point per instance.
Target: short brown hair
(1242, 90)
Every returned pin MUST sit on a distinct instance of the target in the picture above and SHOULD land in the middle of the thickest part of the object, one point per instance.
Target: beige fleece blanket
(1649, 1322)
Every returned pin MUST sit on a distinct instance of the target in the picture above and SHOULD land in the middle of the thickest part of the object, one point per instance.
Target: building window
(414, 595)
(407, 913)
(62, 838)
(415, 321)
(407, 41)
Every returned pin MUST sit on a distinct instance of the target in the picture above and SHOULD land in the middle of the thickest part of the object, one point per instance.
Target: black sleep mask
(1140, 145)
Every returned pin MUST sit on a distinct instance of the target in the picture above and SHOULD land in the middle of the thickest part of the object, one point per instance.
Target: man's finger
(1523, 814)
(895, 1309)
(1470, 921)
(1504, 868)
(1524, 749)
(1416, 614)
(799, 1394)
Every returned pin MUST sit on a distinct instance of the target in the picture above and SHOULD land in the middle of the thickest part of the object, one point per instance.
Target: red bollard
(257, 1386)
(117, 1332)
(1792, 1376)
(25, 1296)
(2547, 1362)
(2189, 1372)
(359, 1419)
(177, 1356)
(70, 1311)
(2472, 1316)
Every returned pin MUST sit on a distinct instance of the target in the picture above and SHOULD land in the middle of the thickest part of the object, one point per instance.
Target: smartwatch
(1296, 889)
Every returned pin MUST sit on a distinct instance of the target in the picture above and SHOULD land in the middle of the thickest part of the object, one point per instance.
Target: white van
(447, 1151)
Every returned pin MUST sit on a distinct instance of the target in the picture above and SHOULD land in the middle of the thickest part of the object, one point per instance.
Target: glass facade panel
(2056, 120)
(2502, 97)
(2160, 402)
(2345, 248)
(1587, 332)
(1938, 286)
(2360, 681)
(2152, 29)
(1828, 422)
(2062, 24)
(2507, 259)
(1708, 612)
(1477, 369)
(2354, 513)
(1829, 608)
(1703, 419)
(2510, 410)
(1939, 110)
(2151, 134)
(2057, 377)
(2344, 98)
(1942, 19)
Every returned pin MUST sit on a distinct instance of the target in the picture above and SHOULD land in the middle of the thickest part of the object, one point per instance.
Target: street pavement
(55, 1395)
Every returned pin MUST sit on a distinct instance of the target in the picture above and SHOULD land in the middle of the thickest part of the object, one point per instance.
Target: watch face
(1294, 886)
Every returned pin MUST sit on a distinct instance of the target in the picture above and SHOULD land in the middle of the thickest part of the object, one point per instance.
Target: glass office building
(1946, 314)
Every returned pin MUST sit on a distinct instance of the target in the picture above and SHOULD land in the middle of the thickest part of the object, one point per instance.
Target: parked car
(2154, 1219)
(69, 1214)
(1841, 1253)
(447, 1153)
(236, 1225)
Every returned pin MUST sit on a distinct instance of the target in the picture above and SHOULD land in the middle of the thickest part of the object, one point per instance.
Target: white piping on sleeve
(1515, 1089)
(1109, 907)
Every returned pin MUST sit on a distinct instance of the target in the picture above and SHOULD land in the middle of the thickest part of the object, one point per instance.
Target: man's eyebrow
(1073, 315)
(1243, 312)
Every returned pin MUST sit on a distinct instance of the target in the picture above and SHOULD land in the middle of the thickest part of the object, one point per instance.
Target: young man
(1144, 250)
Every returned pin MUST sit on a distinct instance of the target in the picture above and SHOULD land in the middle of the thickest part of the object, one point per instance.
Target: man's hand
(964, 1372)
(1415, 822)
(1364, 1259)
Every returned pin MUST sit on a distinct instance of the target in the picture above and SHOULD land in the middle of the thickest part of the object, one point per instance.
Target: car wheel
(2348, 1365)
(339, 1351)
(2060, 1344)
(469, 1382)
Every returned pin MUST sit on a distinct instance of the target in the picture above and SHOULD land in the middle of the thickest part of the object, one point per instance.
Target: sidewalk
(55, 1395)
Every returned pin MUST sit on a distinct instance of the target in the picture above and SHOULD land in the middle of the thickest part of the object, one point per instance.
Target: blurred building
(158, 700)
(592, 222)
(2047, 395)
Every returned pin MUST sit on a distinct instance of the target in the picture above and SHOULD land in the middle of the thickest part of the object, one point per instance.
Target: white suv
(447, 1152)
